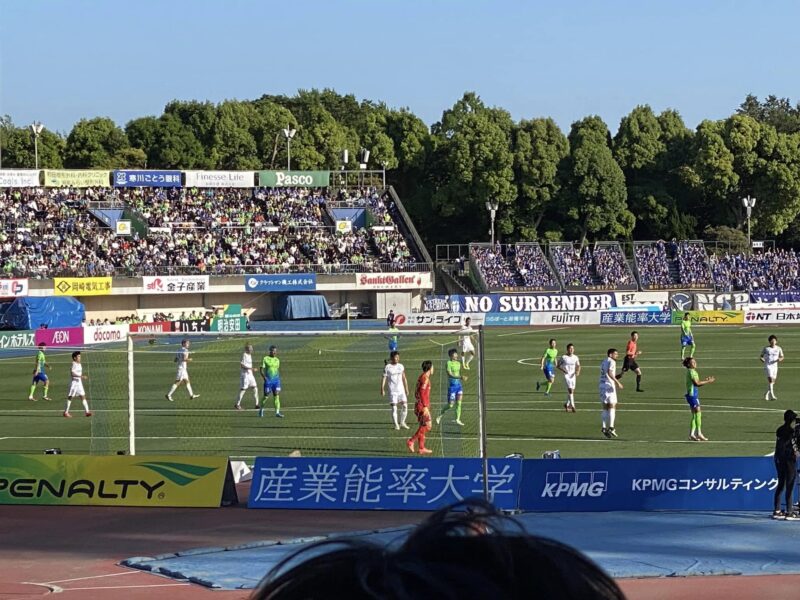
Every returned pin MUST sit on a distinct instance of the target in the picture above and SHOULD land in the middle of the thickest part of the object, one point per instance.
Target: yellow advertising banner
(82, 286)
(76, 178)
(710, 317)
(191, 481)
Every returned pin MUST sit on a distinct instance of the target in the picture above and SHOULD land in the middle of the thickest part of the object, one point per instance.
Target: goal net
(330, 400)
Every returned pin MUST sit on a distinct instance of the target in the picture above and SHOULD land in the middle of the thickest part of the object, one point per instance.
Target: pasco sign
(294, 178)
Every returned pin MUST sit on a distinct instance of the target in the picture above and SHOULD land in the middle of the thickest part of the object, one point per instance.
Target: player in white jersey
(466, 346)
(395, 374)
(76, 385)
(771, 355)
(608, 392)
(570, 365)
(182, 359)
(247, 380)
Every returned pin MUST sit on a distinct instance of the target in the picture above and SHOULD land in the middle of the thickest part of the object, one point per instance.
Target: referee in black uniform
(786, 450)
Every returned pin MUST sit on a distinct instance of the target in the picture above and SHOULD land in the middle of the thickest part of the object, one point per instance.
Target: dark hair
(685, 315)
(772, 337)
(570, 346)
(611, 351)
(451, 352)
(686, 361)
(75, 355)
(273, 347)
(789, 416)
(465, 555)
(42, 345)
(551, 341)
(633, 333)
(184, 341)
(393, 353)
(426, 366)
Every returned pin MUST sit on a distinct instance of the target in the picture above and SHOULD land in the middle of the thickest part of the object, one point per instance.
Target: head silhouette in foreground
(474, 554)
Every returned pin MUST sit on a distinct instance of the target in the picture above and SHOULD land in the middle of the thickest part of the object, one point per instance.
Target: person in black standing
(786, 465)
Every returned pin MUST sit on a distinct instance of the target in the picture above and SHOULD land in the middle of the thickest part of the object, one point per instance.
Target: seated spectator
(693, 270)
(496, 270)
(611, 267)
(477, 554)
(534, 268)
(573, 266)
(652, 264)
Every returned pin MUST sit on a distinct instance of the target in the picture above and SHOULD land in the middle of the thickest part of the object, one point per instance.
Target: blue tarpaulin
(31, 313)
(301, 306)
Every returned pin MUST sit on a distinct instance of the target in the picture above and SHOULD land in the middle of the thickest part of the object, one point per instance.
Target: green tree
(94, 143)
(597, 193)
(200, 119)
(177, 147)
(774, 111)
(268, 125)
(473, 164)
(234, 146)
(539, 149)
(143, 134)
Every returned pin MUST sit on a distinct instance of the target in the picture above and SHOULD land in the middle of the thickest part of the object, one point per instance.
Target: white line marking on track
(96, 577)
(54, 589)
(127, 587)
(606, 441)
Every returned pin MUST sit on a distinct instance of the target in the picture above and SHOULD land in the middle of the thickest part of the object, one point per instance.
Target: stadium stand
(663, 265)
(602, 268)
(51, 232)
(770, 270)
(494, 266)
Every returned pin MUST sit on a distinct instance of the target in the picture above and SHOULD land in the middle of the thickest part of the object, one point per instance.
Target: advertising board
(525, 303)
(710, 317)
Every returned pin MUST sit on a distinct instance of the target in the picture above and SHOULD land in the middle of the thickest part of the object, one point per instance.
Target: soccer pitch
(332, 404)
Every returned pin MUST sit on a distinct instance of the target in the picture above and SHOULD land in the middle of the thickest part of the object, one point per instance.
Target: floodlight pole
(492, 207)
(749, 203)
(289, 133)
(36, 129)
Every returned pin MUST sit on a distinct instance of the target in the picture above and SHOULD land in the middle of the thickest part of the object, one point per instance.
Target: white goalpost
(328, 400)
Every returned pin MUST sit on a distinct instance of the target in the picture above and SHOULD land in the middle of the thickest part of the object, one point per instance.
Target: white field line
(126, 587)
(531, 331)
(95, 577)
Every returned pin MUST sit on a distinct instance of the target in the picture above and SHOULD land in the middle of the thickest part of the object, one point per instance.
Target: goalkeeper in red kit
(422, 408)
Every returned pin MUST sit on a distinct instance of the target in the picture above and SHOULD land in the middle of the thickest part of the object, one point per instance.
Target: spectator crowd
(776, 269)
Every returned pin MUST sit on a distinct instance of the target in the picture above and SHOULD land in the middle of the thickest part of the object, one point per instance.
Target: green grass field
(332, 404)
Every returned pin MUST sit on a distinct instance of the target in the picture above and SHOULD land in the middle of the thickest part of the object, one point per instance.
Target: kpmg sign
(504, 303)
(128, 178)
(287, 282)
(648, 484)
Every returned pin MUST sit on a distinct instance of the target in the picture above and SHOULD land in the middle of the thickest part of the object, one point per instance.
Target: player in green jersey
(271, 372)
(548, 365)
(39, 373)
(693, 383)
(455, 388)
(687, 339)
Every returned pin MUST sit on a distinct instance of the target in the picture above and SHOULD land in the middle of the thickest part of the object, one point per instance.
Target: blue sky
(60, 61)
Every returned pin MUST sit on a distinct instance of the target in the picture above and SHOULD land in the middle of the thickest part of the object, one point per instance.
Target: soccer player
(693, 383)
(548, 366)
(771, 355)
(465, 343)
(246, 379)
(422, 408)
(393, 337)
(455, 389)
(76, 386)
(182, 359)
(687, 339)
(570, 365)
(271, 372)
(629, 363)
(39, 373)
(395, 374)
(608, 392)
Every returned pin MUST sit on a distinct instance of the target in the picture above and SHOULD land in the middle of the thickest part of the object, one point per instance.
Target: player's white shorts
(182, 374)
(570, 381)
(76, 389)
(608, 395)
(247, 381)
(467, 346)
(771, 371)
(398, 398)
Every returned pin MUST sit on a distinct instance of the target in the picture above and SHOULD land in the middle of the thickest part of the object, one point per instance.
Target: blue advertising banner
(757, 297)
(648, 484)
(287, 282)
(380, 483)
(513, 318)
(636, 317)
(527, 303)
(128, 178)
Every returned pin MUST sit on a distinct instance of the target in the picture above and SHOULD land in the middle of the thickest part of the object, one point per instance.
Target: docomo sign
(104, 334)
(393, 281)
(221, 179)
(13, 288)
(70, 336)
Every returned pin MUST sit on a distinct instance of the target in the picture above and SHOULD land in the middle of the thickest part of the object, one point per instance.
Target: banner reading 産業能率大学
(636, 317)
(158, 481)
(504, 303)
(175, 284)
(141, 178)
(709, 317)
(76, 178)
(380, 483)
(294, 178)
(220, 179)
(19, 178)
(82, 286)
